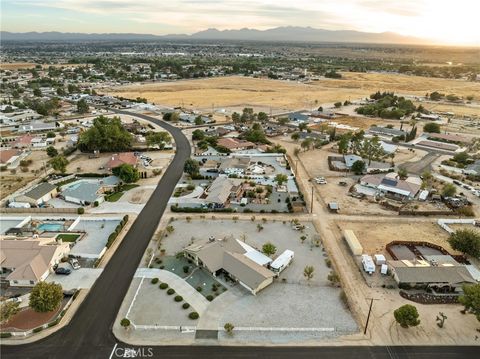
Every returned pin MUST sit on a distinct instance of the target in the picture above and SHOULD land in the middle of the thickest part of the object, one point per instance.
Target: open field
(235, 92)
(375, 235)
(31, 65)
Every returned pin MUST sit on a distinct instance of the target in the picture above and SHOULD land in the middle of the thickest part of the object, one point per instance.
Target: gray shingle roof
(40, 190)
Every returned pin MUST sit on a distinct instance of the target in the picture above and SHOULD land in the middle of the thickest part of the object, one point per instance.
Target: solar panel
(389, 182)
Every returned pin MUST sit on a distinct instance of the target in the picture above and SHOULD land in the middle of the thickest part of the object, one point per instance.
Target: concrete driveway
(79, 279)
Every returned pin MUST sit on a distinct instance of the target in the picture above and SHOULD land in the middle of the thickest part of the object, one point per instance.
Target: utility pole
(368, 316)
(311, 203)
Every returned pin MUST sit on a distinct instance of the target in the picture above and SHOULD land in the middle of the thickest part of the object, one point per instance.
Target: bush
(37, 329)
(170, 291)
(154, 281)
(193, 315)
(199, 289)
(185, 306)
(407, 316)
(209, 297)
(178, 298)
(80, 210)
(5, 335)
(55, 322)
(186, 269)
(163, 286)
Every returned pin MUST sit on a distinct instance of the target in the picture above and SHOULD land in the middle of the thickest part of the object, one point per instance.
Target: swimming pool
(50, 227)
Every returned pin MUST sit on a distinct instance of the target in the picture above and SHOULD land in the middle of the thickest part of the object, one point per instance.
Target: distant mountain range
(278, 34)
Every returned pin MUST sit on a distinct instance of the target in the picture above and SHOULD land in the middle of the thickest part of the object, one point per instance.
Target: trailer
(353, 242)
(368, 265)
(282, 262)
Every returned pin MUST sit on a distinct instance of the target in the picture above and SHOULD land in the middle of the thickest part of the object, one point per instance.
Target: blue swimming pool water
(51, 227)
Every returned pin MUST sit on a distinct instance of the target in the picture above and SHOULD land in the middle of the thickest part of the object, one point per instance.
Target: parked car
(320, 180)
(74, 263)
(63, 271)
(343, 183)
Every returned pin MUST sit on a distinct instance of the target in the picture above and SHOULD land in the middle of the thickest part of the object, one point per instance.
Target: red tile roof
(121, 158)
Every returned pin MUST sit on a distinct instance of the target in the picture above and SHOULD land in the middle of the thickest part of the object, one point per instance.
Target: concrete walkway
(211, 318)
(189, 294)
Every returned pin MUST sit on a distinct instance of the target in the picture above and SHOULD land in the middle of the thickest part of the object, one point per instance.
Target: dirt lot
(138, 195)
(375, 235)
(236, 92)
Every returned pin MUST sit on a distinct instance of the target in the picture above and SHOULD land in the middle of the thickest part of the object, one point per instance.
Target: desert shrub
(193, 315)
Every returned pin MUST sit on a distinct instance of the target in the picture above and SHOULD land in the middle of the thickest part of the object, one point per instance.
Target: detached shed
(353, 242)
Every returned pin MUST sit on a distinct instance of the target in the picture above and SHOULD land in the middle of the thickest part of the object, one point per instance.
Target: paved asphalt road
(89, 334)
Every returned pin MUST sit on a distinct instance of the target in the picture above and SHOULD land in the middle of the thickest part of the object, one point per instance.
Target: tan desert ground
(237, 92)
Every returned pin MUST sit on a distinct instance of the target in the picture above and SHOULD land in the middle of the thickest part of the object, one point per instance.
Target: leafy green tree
(308, 272)
(344, 143)
(37, 92)
(283, 121)
(127, 173)
(51, 134)
(372, 149)
(106, 135)
(235, 117)
(280, 179)
(449, 190)
(431, 127)
(337, 104)
(407, 316)
(402, 173)
(461, 157)
(358, 167)
(471, 299)
(466, 241)
(125, 323)
(198, 120)
(82, 106)
(229, 328)
(302, 126)
(52, 151)
(158, 139)
(262, 116)
(295, 136)
(306, 144)
(45, 297)
(198, 135)
(269, 249)
(59, 163)
(191, 167)
(8, 310)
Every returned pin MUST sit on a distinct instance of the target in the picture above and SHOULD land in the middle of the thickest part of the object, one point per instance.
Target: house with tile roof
(120, 159)
(236, 259)
(24, 263)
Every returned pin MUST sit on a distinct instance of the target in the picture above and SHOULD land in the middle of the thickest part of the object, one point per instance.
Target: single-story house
(235, 165)
(39, 126)
(38, 195)
(86, 192)
(24, 141)
(24, 263)
(386, 132)
(298, 117)
(223, 190)
(453, 276)
(391, 185)
(239, 261)
(120, 159)
(8, 157)
(234, 144)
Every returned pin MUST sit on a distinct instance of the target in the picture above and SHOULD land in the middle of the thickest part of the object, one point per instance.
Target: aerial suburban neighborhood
(196, 191)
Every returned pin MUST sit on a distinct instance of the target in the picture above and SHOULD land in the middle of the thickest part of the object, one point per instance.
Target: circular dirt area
(138, 196)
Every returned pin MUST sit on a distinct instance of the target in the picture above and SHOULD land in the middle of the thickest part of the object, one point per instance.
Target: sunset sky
(441, 21)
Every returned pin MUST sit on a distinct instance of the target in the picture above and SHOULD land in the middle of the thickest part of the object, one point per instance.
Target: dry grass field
(236, 92)
(375, 235)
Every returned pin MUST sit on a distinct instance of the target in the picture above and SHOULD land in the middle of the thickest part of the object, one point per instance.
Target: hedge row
(118, 229)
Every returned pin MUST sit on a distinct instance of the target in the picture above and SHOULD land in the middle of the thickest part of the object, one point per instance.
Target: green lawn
(127, 187)
(68, 237)
(114, 197)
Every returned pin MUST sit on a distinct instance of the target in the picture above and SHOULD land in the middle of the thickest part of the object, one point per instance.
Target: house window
(15, 282)
(32, 282)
